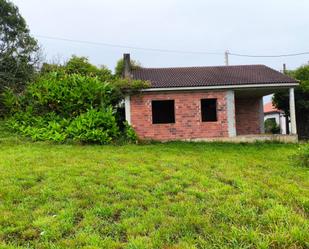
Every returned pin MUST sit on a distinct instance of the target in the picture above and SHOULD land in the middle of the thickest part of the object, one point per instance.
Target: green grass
(172, 195)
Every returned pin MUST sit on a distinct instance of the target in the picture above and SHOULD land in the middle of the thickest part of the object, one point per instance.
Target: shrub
(129, 133)
(47, 127)
(271, 126)
(302, 156)
(94, 126)
(66, 95)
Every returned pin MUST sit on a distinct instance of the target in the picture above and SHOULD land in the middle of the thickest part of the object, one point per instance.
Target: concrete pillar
(292, 112)
(127, 106)
(261, 115)
(230, 106)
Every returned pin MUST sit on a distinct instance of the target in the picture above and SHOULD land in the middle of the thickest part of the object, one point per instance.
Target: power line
(268, 56)
(168, 50)
(126, 46)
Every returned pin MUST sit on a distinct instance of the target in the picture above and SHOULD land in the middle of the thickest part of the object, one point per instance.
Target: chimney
(126, 66)
(284, 68)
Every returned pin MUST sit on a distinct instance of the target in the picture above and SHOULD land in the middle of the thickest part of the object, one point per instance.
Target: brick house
(203, 103)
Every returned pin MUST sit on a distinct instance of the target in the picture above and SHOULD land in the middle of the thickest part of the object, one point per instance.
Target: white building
(271, 112)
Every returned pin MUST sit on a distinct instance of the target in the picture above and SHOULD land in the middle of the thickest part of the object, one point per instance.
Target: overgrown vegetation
(171, 195)
(76, 101)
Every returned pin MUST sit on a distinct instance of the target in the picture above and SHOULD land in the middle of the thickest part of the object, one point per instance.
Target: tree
(120, 67)
(79, 65)
(281, 100)
(19, 51)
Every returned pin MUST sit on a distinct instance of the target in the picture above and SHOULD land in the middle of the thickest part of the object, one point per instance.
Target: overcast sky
(240, 26)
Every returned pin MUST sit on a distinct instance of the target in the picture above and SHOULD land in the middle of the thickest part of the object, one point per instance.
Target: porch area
(245, 108)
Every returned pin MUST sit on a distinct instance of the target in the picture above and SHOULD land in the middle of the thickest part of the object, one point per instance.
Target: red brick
(187, 115)
(247, 116)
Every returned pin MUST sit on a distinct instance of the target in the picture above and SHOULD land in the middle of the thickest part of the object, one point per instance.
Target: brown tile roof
(211, 76)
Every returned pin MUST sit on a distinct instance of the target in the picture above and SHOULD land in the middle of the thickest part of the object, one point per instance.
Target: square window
(209, 110)
(163, 111)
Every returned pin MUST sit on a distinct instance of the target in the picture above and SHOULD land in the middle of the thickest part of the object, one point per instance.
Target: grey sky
(241, 26)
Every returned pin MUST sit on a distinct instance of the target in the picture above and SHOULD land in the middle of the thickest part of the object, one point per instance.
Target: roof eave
(221, 87)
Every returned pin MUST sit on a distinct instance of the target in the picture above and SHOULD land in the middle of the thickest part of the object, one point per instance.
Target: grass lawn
(173, 195)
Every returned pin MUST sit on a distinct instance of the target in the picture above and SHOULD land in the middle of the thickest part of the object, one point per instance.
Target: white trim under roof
(159, 89)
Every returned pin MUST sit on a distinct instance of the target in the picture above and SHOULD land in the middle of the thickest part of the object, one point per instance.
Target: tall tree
(19, 51)
(281, 100)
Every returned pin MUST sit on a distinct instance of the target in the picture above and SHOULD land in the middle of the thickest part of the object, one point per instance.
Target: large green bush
(94, 126)
(39, 127)
(68, 95)
(59, 106)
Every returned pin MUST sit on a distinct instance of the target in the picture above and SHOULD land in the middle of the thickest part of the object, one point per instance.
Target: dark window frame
(160, 117)
(212, 115)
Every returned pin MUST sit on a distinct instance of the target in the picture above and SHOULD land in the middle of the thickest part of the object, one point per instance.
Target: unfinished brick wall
(247, 115)
(188, 124)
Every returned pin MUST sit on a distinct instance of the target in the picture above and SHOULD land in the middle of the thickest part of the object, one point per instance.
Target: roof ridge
(190, 67)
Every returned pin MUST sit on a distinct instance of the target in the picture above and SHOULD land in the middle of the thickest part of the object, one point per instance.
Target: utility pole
(226, 57)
